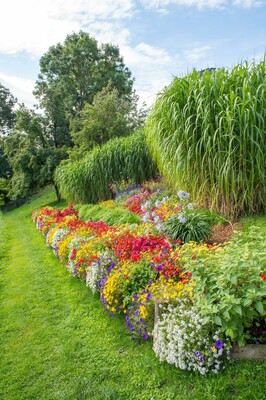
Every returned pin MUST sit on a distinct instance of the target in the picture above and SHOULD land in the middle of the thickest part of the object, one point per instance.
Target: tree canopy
(110, 115)
(7, 114)
(72, 73)
(31, 153)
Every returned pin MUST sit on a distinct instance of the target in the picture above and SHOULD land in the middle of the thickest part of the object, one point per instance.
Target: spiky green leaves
(87, 181)
(208, 135)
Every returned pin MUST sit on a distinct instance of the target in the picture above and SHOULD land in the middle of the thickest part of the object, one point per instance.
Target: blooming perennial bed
(133, 265)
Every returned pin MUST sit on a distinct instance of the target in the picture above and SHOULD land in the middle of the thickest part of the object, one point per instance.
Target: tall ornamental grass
(207, 133)
(87, 180)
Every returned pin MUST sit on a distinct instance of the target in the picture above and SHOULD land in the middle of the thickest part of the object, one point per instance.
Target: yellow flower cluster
(108, 204)
(113, 288)
(63, 246)
(89, 250)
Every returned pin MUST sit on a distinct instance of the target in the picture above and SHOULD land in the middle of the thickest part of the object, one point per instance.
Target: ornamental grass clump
(88, 180)
(207, 134)
(184, 339)
(188, 226)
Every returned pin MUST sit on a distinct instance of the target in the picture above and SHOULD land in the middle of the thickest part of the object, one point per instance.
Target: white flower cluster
(182, 338)
(57, 236)
(152, 216)
(98, 270)
(183, 195)
(39, 223)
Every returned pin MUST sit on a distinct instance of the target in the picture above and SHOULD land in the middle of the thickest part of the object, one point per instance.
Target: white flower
(181, 218)
(182, 195)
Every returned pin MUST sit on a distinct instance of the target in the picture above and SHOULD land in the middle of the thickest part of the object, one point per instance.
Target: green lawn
(57, 342)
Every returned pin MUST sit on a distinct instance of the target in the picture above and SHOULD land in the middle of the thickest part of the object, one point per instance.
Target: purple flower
(137, 313)
(135, 297)
(197, 354)
(219, 344)
(201, 359)
(148, 297)
(146, 336)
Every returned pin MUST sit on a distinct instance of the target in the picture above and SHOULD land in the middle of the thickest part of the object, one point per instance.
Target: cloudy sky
(158, 39)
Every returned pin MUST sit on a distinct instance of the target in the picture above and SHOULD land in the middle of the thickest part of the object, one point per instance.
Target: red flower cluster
(131, 247)
(134, 203)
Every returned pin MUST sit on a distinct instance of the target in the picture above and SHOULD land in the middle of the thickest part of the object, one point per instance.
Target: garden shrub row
(214, 294)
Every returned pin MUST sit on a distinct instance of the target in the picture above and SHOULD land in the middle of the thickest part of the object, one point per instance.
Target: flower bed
(219, 289)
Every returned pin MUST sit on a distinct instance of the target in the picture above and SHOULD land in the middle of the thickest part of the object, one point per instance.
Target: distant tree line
(86, 98)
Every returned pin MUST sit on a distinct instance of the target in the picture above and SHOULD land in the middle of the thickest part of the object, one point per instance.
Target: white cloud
(153, 68)
(248, 3)
(197, 54)
(20, 88)
(200, 4)
(33, 26)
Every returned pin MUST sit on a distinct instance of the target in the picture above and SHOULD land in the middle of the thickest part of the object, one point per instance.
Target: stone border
(254, 352)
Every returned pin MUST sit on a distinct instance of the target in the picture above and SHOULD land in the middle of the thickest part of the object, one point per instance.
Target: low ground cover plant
(131, 266)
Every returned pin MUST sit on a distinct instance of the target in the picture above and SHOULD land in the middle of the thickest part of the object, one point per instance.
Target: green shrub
(111, 216)
(229, 285)
(207, 134)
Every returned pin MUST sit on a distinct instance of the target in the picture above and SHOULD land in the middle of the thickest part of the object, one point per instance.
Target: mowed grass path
(57, 343)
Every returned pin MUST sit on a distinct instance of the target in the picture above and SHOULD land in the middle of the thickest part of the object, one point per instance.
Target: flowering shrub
(183, 338)
(228, 287)
(99, 270)
(140, 314)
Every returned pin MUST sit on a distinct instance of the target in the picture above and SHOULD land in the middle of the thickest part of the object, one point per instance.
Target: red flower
(135, 256)
(263, 277)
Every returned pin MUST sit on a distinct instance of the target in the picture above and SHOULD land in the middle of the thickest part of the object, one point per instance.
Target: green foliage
(32, 154)
(228, 287)
(189, 226)
(110, 115)
(207, 134)
(111, 216)
(3, 191)
(71, 75)
(87, 180)
(7, 114)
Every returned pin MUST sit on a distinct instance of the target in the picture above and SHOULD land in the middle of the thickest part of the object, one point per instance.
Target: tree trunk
(58, 195)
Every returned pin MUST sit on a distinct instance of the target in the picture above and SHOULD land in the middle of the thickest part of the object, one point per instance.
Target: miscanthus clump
(182, 338)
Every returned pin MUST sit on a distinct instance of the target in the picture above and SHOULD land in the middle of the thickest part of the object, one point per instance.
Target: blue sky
(158, 39)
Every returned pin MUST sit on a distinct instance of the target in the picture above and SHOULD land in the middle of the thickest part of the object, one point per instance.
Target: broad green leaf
(259, 307)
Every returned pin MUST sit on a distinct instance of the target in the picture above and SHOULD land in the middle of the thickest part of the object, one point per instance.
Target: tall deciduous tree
(72, 73)
(7, 119)
(32, 153)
